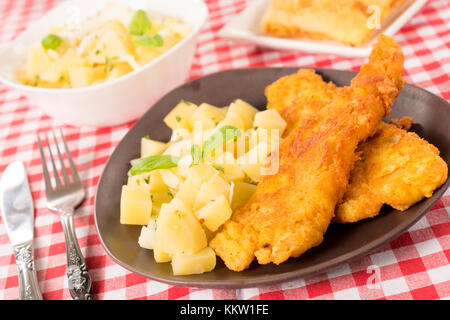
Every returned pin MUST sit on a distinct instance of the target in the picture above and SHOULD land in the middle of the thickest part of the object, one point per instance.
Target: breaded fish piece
(397, 168)
(299, 96)
(290, 211)
(302, 94)
(346, 21)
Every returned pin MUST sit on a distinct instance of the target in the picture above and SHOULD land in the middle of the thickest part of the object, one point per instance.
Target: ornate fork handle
(79, 280)
(28, 285)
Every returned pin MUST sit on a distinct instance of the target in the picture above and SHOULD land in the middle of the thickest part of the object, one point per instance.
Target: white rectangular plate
(246, 27)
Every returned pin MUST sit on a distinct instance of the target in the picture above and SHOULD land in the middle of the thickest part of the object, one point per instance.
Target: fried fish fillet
(397, 168)
(291, 210)
(299, 96)
(346, 21)
(394, 167)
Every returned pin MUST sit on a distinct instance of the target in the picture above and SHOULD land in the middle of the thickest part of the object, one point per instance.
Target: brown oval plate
(342, 242)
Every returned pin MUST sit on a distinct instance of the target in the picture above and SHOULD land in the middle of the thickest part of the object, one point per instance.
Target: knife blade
(16, 205)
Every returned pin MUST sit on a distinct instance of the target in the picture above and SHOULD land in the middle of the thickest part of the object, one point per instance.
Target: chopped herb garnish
(36, 80)
(170, 194)
(97, 52)
(147, 180)
(219, 168)
(106, 63)
(52, 41)
(219, 137)
(196, 153)
(140, 24)
(255, 128)
(178, 118)
(152, 198)
(148, 40)
(138, 182)
(147, 137)
(151, 163)
(184, 101)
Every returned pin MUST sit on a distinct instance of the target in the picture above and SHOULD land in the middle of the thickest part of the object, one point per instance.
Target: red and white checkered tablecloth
(414, 266)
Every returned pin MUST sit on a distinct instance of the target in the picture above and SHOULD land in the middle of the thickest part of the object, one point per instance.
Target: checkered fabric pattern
(413, 266)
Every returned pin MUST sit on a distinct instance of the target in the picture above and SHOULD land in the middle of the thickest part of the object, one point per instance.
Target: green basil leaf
(149, 40)
(219, 168)
(51, 41)
(139, 24)
(196, 153)
(219, 137)
(151, 163)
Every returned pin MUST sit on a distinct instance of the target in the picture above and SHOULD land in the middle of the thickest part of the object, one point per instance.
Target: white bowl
(117, 101)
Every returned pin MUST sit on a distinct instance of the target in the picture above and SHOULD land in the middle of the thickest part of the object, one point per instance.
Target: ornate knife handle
(28, 285)
(79, 280)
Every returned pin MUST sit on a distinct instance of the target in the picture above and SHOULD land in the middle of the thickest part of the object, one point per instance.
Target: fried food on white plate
(346, 21)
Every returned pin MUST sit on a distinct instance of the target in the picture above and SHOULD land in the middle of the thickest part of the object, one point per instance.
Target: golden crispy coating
(291, 210)
(344, 21)
(299, 96)
(397, 168)
(302, 94)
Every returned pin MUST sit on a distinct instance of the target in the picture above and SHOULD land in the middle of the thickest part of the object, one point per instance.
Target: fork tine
(48, 184)
(63, 167)
(58, 181)
(76, 178)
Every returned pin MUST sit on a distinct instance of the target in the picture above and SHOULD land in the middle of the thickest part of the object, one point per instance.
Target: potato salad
(115, 42)
(184, 190)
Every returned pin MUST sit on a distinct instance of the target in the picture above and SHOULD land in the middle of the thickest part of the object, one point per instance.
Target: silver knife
(16, 205)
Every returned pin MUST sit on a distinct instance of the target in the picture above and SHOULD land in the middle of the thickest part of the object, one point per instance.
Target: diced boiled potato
(200, 173)
(37, 61)
(147, 238)
(146, 54)
(232, 172)
(170, 178)
(242, 191)
(116, 70)
(256, 155)
(158, 198)
(270, 119)
(180, 115)
(139, 179)
(215, 213)
(268, 136)
(233, 119)
(179, 148)
(211, 189)
(252, 161)
(161, 256)
(54, 72)
(81, 76)
(245, 111)
(178, 230)
(135, 205)
(200, 262)
(59, 69)
(156, 183)
(188, 192)
(228, 169)
(151, 147)
(208, 115)
(113, 44)
(224, 158)
(253, 171)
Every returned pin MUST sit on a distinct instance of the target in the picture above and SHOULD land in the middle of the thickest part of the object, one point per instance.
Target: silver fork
(63, 199)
